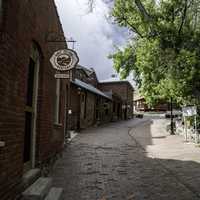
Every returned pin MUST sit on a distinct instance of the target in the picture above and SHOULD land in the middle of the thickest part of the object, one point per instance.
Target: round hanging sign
(64, 60)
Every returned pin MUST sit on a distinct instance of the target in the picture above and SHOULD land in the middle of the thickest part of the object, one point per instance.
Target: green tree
(165, 49)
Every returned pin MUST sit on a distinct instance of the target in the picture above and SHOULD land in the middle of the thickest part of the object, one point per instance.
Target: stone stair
(30, 177)
(42, 189)
(55, 193)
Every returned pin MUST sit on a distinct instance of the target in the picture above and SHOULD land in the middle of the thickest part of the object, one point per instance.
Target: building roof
(115, 80)
(112, 79)
(86, 70)
(137, 96)
(108, 93)
(90, 88)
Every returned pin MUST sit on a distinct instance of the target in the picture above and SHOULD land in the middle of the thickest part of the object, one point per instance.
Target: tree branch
(147, 17)
(91, 5)
(183, 17)
(143, 11)
(131, 26)
(134, 29)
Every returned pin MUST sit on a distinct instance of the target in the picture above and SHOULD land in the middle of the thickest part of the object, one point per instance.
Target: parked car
(175, 114)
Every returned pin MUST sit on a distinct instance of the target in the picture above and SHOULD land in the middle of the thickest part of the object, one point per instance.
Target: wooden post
(79, 110)
(195, 129)
(186, 136)
(67, 106)
(172, 124)
(67, 55)
(69, 102)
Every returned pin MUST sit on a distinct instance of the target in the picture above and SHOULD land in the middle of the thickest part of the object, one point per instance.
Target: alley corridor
(113, 163)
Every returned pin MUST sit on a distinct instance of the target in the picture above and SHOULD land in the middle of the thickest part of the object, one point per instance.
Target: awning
(90, 88)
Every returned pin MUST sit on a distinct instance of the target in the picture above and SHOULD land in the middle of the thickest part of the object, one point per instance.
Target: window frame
(57, 119)
(1, 13)
(31, 109)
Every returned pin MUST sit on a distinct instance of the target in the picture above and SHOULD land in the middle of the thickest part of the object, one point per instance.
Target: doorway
(31, 109)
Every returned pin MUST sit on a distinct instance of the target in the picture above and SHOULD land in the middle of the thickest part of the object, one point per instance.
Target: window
(29, 110)
(31, 107)
(30, 83)
(83, 98)
(85, 111)
(114, 107)
(83, 105)
(1, 12)
(0, 6)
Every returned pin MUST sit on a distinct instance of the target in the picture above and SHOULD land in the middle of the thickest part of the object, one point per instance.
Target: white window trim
(35, 111)
(57, 106)
(36, 57)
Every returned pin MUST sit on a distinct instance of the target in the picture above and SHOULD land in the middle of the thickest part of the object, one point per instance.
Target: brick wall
(74, 102)
(119, 88)
(89, 117)
(25, 22)
(123, 90)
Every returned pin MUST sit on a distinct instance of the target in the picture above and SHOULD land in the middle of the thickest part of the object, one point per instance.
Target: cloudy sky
(95, 36)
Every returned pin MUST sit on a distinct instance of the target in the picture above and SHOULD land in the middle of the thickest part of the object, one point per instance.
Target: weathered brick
(25, 22)
(124, 90)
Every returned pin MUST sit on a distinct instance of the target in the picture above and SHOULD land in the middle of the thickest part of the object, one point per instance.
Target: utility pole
(56, 37)
(71, 40)
(68, 96)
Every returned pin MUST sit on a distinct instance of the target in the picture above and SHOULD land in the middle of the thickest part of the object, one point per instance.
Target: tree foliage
(165, 50)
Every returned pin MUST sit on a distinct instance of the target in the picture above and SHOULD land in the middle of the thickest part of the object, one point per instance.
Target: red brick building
(33, 103)
(88, 105)
(93, 102)
(141, 105)
(124, 90)
(31, 114)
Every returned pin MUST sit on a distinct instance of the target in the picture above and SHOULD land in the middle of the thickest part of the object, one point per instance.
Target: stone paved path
(108, 163)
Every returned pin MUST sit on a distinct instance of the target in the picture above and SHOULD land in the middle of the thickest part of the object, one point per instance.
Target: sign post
(64, 61)
(190, 111)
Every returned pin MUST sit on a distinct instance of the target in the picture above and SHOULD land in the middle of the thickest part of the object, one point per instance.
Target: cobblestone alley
(109, 162)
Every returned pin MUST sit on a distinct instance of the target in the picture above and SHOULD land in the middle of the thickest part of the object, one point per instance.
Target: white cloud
(94, 35)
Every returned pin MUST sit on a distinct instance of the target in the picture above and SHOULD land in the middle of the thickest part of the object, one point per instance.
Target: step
(30, 177)
(38, 190)
(55, 194)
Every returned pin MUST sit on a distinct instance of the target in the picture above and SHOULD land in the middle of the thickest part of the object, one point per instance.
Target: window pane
(30, 83)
